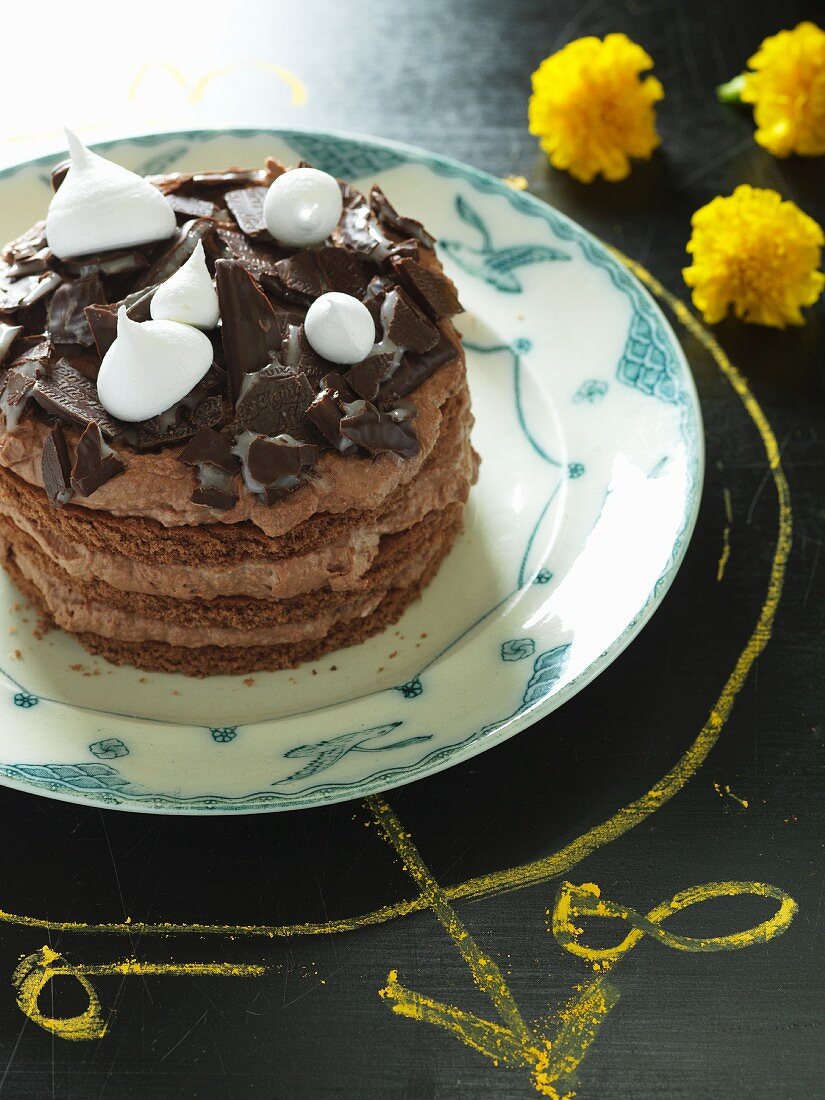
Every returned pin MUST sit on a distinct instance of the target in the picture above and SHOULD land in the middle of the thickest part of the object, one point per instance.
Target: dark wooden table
(453, 75)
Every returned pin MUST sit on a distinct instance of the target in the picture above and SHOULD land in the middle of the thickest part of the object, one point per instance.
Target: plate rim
(526, 203)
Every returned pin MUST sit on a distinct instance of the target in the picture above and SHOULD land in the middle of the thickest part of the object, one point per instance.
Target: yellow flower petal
(757, 254)
(591, 110)
(787, 90)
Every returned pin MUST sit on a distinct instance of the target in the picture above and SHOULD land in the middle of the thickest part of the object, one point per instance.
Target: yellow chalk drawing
(35, 972)
(194, 91)
(516, 1044)
(551, 866)
(576, 902)
(513, 1043)
(723, 791)
(725, 555)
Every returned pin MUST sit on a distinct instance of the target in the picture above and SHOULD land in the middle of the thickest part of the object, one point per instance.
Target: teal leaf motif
(544, 576)
(575, 469)
(77, 778)
(25, 699)
(495, 266)
(546, 672)
(324, 754)
(163, 160)
(349, 159)
(108, 749)
(517, 649)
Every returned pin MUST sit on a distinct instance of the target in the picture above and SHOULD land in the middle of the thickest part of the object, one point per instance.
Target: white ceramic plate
(590, 433)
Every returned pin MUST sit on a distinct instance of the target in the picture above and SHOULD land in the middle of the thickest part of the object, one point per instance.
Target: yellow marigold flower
(591, 109)
(787, 90)
(756, 253)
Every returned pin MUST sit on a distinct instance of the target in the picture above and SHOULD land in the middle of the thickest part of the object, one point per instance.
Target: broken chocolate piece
(258, 257)
(405, 324)
(217, 466)
(391, 219)
(72, 398)
(275, 467)
(25, 291)
(15, 396)
(94, 462)
(187, 208)
(120, 261)
(415, 369)
(175, 255)
(313, 272)
(163, 431)
(8, 335)
(58, 173)
(247, 208)
(366, 377)
(250, 329)
(207, 447)
(33, 349)
(379, 432)
(434, 292)
(273, 401)
(56, 466)
(102, 319)
(27, 246)
(67, 322)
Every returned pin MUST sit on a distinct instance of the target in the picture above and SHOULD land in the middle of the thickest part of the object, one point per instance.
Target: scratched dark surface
(454, 76)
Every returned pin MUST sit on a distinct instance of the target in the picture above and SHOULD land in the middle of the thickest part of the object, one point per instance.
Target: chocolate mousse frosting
(287, 505)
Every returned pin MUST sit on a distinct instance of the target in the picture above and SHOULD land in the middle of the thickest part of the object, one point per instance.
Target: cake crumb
(249, 681)
(142, 680)
(16, 655)
(381, 669)
(175, 691)
(77, 668)
(12, 630)
(333, 668)
(393, 654)
(315, 672)
(423, 635)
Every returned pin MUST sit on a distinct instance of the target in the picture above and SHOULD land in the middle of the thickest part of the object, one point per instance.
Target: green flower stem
(732, 91)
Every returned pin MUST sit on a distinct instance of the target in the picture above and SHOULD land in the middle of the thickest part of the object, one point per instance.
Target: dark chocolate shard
(56, 466)
(208, 448)
(26, 291)
(120, 261)
(15, 396)
(276, 467)
(177, 428)
(379, 432)
(238, 177)
(33, 349)
(72, 398)
(102, 319)
(258, 257)
(27, 246)
(8, 339)
(406, 325)
(415, 369)
(431, 289)
(186, 207)
(176, 252)
(250, 329)
(273, 401)
(301, 357)
(391, 219)
(328, 408)
(94, 462)
(66, 319)
(298, 278)
(58, 173)
(366, 377)
(342, 271)
(213, 496)
(247, 208)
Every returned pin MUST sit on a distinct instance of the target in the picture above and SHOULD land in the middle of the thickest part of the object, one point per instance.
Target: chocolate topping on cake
(71, 397)
(102, 320)
(66, 319)
(415, 369)
(122, 261)
(56, 467)
(217, 467)
(247, 208)
(94, 462)
(251, 334)
(391, 219)
(366, 377)
(187, 208)
(177, 424)
(279, 466)
(433, 291)
(258, 257)
(309, 274)
(378, 431)
(406, 325)
(273, 401)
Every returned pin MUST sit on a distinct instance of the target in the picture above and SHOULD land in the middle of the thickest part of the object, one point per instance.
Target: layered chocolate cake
(235, 421)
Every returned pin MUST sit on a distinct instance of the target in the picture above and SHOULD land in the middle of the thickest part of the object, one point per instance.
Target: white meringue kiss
(150, 366)
(188, 296)
(340, 328)
(302, 207)
(102, 206)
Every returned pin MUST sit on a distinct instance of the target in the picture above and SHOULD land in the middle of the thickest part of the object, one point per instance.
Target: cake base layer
(208, 660)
